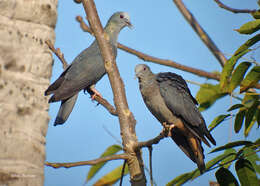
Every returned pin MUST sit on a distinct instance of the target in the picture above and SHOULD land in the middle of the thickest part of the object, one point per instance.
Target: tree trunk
(25, 69)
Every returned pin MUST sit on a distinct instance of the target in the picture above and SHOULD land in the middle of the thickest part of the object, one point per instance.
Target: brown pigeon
(169, 99)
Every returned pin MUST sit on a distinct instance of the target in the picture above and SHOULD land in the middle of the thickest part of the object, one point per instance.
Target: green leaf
(207, 95)
(113, 149)
(246, 173)
(249, 117)
(179, 180)
(112, 177)
(225, 177)
(256, 14)
(239, 120)
(232, 153)
(252, 78)
(257, 142)
(249, 27)
(252, 156)
(216, 160)
(229, 66)
(249, 127)
(234, 107)
(217, 121)
(238, 75)
(247, 44)
(249, 100)
(231, 145)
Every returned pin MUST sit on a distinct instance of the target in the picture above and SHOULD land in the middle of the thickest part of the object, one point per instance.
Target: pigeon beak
(129, 24)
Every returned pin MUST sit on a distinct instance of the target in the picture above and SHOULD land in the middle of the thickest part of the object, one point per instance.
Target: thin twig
(151, 142)
(110, 108)
(221, 5)
(150, 148)
(201, 32)
(58, 53)
(90, 162)
(112, 135)
(169, 63)
(122, 174)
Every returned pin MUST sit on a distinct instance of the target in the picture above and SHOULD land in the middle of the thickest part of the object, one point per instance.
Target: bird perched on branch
(85, 70)
(169, 99)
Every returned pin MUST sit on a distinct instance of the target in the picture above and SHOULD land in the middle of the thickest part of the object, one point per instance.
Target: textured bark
(25, 69)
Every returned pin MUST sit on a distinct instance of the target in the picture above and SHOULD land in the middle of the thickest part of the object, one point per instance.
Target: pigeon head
(121, 19)
(142, 71)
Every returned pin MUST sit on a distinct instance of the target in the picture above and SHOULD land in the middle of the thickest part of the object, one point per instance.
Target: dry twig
(110, 108)
(201, 32)
(221, 5)
(58, 53)
(151, 142)
(91, 162)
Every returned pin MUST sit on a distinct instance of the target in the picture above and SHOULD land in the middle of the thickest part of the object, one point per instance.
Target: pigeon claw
(96, 93)
(167, 128)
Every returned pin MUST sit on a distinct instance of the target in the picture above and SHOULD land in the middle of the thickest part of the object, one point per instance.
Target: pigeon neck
(113, 30)
(147, 80)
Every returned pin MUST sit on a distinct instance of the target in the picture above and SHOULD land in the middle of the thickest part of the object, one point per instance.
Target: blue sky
(161, 31)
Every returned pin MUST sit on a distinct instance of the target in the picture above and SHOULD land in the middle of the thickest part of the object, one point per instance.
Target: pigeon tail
(59, 121)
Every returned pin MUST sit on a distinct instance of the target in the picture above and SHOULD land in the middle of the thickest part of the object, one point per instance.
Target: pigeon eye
(121, 16)
(144, 68)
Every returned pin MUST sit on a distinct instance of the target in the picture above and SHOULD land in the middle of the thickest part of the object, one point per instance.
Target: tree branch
(221, 5)
(150, 148)
(122, 174)
(201, 32)
(90, 162)
(126, 119)
(110, 108)
(58, 53)
(151, 142)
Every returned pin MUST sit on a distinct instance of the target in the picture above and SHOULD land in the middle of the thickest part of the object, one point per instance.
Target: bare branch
(122, 174)
(169, 63)
(91, 162)
(221, 5)
(151, 142)
(84, 26)
(110, 108)
(126, 118)
(58, 53)
(201, 32)
(150, 148)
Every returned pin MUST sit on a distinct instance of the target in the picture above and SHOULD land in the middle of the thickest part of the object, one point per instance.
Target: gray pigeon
(86, 69)
(169, 99)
